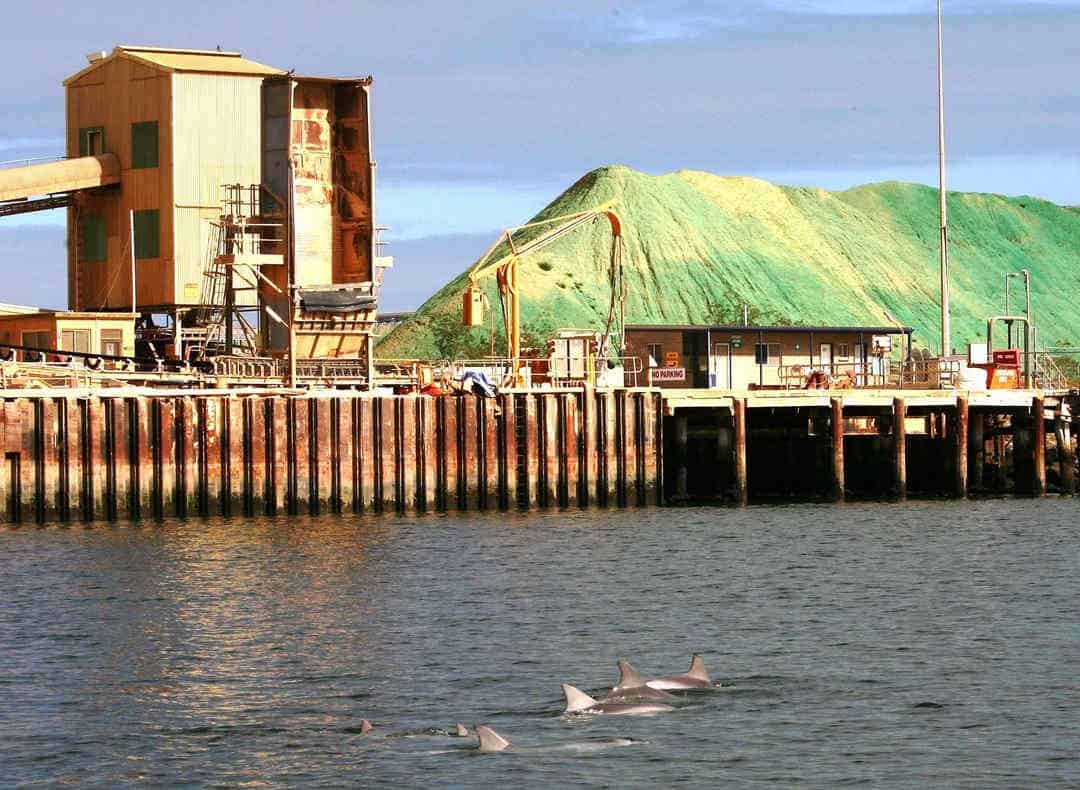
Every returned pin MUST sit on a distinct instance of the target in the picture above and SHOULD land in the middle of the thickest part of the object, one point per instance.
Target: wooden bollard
(1038, 446)
(961, 447)
(900, 447)
(838, 447)
(742, 489)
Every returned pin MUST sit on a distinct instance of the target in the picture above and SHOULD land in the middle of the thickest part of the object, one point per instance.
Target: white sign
(881, 344)
(667, 374)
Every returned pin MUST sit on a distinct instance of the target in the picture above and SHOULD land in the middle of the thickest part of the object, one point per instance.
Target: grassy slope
(698, 245)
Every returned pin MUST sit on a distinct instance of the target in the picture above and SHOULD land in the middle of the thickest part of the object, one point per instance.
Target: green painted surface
(698, 245)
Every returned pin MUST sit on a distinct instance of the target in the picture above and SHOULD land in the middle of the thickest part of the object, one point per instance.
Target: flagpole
(946, 344)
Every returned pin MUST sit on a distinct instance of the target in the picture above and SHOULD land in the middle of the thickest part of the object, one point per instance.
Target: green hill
(698, 245)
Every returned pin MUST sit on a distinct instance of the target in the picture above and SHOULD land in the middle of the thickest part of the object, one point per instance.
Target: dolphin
(632, 687)
(697, 677)
(365, 727)
(577, 701)
(490, 741)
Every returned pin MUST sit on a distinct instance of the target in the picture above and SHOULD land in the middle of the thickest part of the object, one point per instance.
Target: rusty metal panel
(389, 450)
(549, 493)
(187, 473)
(508, 452)
(588, 465)
(122, 453)
(449, 453)
(532, 451)
(303, 475)
(260, 462)
(365, 459)
(48, 448)
(426, 448)
(277, 440)
(468, 459)
(169, 467)
(29, 490)
(611, 460)
(571, 427)
(215, 432)
(321, 454)
(631, 449)
(490, 424)
(407, 452)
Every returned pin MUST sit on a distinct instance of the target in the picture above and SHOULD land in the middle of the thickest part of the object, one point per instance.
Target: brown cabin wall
(115, 95)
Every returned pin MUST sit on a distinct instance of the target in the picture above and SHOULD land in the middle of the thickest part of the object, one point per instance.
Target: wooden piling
(900, 448)
(838, 447)
(682, 472)
(961, 437)
(742, 490)
(1038, 442)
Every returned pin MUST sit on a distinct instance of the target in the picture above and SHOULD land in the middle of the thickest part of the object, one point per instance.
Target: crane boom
(506, 270)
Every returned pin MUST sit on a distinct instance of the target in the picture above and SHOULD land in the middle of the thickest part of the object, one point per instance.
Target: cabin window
(655, 355)
(144, 144)
(767, 353)
(94, 243)
(92, 141)
(36, 339)
(843, 351)
(112, 342)
(147, 233)
(75, 340)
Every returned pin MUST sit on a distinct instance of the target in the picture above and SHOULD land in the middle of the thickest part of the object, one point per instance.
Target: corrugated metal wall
(217, 140)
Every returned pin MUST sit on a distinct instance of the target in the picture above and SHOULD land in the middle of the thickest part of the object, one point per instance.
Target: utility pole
(946, 342)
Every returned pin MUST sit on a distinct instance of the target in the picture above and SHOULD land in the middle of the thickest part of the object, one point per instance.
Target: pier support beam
(977, 450)
(1038, 446)
(742, 491)
(838, 448)
(900, 448)
(961, 447)
(681, 453)
(1066, 459)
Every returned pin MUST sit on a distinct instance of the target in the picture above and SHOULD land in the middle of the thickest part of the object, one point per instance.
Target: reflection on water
(871, 643)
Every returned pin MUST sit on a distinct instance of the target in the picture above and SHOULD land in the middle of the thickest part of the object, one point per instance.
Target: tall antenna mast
(946, 344)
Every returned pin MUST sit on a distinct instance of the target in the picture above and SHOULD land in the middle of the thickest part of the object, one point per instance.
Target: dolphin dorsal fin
(697, 668)
(576, 699)
(629, 678)
(490, 741)
(365, 727)
(461, 731)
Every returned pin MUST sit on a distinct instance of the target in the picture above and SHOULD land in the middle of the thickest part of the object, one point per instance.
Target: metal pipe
(131, 241)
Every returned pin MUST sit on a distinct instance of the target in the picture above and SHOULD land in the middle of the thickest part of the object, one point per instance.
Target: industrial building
(229, 204)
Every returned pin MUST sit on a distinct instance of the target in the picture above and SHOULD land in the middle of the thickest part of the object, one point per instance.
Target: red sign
(1007, 357)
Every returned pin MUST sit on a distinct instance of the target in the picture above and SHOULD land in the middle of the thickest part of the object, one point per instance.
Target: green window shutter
(147, 233)
(91, 140)
(94, 241)
(144, 144)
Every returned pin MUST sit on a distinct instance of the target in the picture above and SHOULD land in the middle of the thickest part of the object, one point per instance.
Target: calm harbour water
(884, 645)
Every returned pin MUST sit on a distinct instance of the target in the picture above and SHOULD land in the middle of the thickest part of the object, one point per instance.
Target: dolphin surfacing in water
(490, 741)
(632, 688)
(697, 677)
(577, 701)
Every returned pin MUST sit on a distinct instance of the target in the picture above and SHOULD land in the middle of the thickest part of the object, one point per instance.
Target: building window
(92, 141)
(36, 339)
(654, 354)
(75, 340)
(843, 351)
(94, 243)
(112, 342)
(767, 353)
(144, 144)
(147, 233)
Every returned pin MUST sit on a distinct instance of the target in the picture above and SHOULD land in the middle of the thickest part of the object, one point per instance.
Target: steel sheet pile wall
(190, 455)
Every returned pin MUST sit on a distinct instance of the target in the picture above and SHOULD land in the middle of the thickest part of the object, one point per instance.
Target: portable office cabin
(182, 124)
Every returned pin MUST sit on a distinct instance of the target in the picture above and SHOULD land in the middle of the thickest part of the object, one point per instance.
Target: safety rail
(30, 160)
(834, 375)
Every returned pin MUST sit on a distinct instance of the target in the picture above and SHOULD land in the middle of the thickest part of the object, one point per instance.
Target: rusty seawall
(102, 457)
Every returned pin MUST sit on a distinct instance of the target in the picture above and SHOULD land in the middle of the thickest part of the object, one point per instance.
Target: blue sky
(486, 110)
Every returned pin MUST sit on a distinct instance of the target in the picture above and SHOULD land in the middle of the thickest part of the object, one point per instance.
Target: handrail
(31, 160)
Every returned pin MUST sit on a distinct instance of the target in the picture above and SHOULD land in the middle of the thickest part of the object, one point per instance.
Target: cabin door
(826, 357)
(720, 366)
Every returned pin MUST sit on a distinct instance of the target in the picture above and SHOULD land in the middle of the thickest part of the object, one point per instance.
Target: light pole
(1009, 324)
(946, 344)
